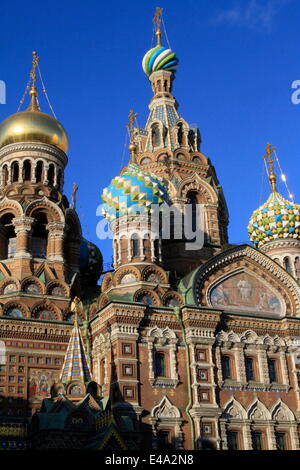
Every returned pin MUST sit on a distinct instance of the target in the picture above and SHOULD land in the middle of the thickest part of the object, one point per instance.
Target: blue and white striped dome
(159, 58)
(131, 192)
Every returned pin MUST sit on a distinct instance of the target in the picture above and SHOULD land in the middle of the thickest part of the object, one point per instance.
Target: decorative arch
(45, 310)
(257, 411)
(52, 210)
(157, 332)
(123, 271)
(58, 288)
(10, 206)
(172, 299)
(247, 259)
(103, 301)
(107, 281)
(147, 297)
(16, 309)
(234, 410)
(196, 184)
(165, 409)
(157, 271)
(281, 412)
(34, 281)
(6, 283)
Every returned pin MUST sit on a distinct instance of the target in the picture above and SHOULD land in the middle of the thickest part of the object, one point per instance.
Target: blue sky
(237, 62)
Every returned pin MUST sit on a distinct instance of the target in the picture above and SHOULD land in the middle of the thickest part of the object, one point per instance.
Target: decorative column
(23, 227)
(174, 374)
(56, 241)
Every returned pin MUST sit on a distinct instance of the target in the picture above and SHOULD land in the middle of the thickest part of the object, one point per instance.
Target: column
(56, 241)
(23, 227)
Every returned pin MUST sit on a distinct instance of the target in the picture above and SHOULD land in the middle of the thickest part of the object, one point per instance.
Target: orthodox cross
(131, 118)
(35, 61)
(157, 22)
(270, 162)
(73, 195)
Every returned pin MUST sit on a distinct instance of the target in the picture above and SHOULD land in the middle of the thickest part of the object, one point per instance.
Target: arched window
(15, 171)
(8, 238)
(51, 174)
(39, 170)
(4, 175)
(159, 85)
(39, 235)
(155, 135)
(135, 246)
(159, 365)
(180, 134)
(287, 265)
(192, 199)
(27, 170)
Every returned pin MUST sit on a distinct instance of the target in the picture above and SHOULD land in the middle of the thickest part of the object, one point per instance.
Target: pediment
(243, 279)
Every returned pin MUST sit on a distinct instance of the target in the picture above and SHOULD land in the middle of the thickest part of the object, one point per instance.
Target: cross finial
(73, 195)
(35, 61)
(132, 147)
(268, 157)
(157, 22)
(34, 106)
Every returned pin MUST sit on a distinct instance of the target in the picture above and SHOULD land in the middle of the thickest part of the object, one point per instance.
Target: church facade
(188, 343)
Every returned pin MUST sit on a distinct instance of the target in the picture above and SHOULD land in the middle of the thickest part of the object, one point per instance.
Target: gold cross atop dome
(270, 162)
(157, 22)
(33, 91)
(132, 147)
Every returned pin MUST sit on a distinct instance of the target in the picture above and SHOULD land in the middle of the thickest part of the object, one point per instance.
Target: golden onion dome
(33, 126)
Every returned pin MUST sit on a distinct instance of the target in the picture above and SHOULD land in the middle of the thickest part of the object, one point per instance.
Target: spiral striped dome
(276, 219)
(159, 58)
(134, 190)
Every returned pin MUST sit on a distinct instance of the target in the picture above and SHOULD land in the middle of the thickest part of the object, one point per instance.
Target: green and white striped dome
(159, 58)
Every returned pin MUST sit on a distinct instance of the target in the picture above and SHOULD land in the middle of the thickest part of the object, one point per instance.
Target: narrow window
(51, 175)
(257, 440)
(226, 369)
(280, 440)
(249, 368)
(232, 440)
(15, 171)
(272, 370)
(39, 172)
(287, 265)
(155, 136)
(135, 247)
(160, 369)
(27, 170)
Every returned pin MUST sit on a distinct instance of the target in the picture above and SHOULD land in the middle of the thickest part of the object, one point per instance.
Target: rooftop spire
(157, 22)
(270, 162)
(34, 106)
(132, 147)
(75, 367)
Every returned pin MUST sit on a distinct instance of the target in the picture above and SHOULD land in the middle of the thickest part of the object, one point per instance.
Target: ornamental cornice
(38, 147)
(280, 244)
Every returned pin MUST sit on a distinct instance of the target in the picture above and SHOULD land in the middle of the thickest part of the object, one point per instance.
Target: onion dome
(90, 260)
(33, 126)
(276, 219)
(133, 191)
(159, 58)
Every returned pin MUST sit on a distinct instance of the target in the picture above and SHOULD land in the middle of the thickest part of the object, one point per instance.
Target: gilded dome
(275, 220)
(33, 126)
